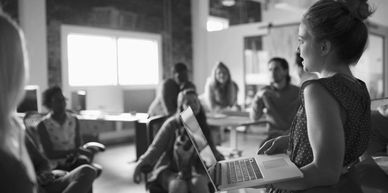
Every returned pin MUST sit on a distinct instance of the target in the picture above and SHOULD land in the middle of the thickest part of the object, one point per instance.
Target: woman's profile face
(309, 49)
(191, 100)
(221, 75)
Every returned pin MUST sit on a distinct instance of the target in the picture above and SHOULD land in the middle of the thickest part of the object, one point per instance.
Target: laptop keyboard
(243, 170)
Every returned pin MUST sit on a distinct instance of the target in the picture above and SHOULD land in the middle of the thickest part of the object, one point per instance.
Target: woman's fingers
(137, 178)
(137, 174)
(265, 146)
(271, 149)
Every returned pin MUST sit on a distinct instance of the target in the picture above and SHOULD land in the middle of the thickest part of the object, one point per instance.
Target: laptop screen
(198, 139)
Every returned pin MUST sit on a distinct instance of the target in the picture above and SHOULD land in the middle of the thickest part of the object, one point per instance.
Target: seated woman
(176, 170)
(220, 90)
(59, 132)
(78, 180)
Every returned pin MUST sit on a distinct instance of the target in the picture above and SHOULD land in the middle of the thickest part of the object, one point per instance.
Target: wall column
(199, 14)
(32, 16)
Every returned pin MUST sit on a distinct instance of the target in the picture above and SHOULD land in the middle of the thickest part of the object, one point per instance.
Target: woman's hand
(274, 146)
(137, 172)
(267, 92)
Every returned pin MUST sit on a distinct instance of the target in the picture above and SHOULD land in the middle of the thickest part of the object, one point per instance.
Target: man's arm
(169, 91)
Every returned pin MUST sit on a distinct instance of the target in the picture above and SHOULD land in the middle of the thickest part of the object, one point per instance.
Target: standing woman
(331, 128)
(17, 173)
(220, 90)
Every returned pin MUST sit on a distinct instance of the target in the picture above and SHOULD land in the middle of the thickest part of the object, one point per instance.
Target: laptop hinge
(217, 174)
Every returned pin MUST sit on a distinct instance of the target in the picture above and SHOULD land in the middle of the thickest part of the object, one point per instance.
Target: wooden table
(108, 127)
(232, 120)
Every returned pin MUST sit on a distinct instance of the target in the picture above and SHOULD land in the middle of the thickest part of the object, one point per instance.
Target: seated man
(279, 100)
(165, 102)
(78, 180)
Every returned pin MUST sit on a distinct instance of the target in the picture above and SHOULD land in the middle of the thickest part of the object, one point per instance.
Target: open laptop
(241, 172)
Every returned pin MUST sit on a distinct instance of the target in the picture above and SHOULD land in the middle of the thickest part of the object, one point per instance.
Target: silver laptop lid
(199, 141)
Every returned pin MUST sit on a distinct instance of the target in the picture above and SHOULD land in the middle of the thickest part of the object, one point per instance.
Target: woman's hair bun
(359, 8)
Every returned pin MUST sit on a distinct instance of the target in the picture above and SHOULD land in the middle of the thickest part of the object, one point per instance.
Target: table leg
(233, 138)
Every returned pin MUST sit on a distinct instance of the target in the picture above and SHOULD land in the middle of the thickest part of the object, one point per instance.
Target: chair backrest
(31, 120)
(153, 125)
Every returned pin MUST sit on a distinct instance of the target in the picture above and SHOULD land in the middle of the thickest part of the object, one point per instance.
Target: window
(99, 57)
(139, 54)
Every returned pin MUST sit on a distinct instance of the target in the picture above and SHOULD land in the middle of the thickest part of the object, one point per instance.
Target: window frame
(70, 29)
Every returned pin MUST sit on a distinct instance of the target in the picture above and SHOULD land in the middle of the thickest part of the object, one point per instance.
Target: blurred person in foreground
(17, 172)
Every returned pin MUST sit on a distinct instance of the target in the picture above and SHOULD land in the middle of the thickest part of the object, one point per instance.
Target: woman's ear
(325, 47)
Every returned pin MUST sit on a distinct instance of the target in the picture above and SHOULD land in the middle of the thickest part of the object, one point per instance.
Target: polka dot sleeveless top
(353, 96)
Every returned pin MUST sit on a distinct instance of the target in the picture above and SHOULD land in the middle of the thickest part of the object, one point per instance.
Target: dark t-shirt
(165, 102)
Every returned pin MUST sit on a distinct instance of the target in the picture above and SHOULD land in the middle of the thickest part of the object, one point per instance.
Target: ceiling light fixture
(228, 3)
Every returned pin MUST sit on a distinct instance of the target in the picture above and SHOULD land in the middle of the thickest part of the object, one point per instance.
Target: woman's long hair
(201, 116)
(13, 72)
(226, 90)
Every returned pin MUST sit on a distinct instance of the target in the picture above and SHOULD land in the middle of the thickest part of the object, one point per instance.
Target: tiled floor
(118, 164)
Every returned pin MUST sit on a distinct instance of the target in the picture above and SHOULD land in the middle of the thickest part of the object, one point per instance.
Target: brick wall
(170, 18)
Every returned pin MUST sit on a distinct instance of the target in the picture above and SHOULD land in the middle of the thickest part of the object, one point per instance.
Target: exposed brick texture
(170, 18)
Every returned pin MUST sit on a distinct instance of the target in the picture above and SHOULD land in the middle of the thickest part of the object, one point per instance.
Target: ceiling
(247, 11)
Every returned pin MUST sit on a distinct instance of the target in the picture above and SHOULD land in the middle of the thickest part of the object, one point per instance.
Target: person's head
(279, 70)
(179, 72)
(335, 28)
(13, 64)
(54, 100)
(221, 74)
(13, 70)
(188, 98)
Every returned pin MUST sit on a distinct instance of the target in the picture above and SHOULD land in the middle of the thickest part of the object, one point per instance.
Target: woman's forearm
(313, 176)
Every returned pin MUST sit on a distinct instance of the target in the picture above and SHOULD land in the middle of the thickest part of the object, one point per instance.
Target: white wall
(199, 11)
(227, 45)
(108, 99)
(32, 16)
